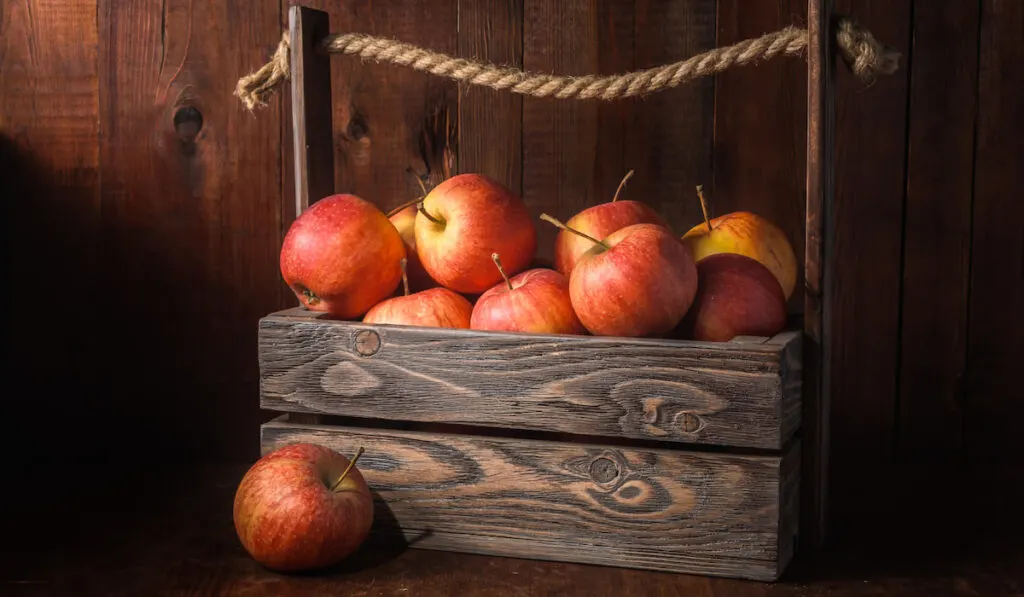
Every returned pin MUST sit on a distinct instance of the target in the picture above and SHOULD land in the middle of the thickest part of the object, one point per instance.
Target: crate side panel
(656, 509)
(726, 395)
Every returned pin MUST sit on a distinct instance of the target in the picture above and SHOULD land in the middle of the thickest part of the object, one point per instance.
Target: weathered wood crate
(675, 455)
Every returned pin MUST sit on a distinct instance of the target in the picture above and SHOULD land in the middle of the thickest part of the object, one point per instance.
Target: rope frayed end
(866, 57)
(256, 88)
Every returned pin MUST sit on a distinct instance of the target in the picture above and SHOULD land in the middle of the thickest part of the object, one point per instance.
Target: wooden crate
(674, 455)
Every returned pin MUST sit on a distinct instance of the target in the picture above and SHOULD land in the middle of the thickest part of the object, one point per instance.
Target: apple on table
(302, 507)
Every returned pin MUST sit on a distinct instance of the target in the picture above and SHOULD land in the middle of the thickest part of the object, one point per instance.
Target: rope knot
(255, 88)
(866, 56)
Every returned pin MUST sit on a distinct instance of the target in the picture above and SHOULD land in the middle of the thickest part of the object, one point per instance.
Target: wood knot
(691, 423)
(604, 470)
(367, 342)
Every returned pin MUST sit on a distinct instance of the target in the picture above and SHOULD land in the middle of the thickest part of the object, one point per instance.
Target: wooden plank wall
(146, 206)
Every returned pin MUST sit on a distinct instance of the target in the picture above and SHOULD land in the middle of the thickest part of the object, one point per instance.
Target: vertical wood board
(996, 333)
(937, 231)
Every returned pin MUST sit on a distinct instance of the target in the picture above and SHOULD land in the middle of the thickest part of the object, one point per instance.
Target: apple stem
(551, 220)
(348, 469)
(426, 215)
(622, 185)
(404, 205)
(405, 276)
(703, 206)
(497, 262)
(423, 187)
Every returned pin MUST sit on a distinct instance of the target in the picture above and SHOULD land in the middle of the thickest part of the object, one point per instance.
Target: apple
(599, 221)
(737, 296)
(639, 281)
(404, 220)
(301, 507)
(462, 221)
(434, 307)
(341, 256)
(535, 301)
(747, 234)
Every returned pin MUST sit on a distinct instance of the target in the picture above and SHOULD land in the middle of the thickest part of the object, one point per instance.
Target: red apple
(638, 281)
(341, 256)
(535, 301)
(598, 222)
(737, 296)
(465, 219)
(434, 307)
(404, 220)
(302, 507)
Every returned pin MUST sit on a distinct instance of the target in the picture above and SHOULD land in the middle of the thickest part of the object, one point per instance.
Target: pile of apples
(462, 257)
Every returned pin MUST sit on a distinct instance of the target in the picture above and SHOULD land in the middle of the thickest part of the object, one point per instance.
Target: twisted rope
(866, 57)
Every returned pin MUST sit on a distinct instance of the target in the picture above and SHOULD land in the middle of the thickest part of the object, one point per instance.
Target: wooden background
(145, 206)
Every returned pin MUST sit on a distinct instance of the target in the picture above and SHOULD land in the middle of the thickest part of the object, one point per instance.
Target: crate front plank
(645, 389)
(670, 510)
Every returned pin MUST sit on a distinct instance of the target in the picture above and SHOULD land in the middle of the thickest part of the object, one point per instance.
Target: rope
(866, 57)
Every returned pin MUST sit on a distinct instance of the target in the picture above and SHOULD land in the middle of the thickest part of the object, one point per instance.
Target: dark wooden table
(165, 532)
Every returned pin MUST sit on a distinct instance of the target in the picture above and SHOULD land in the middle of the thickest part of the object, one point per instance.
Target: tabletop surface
(170, 533)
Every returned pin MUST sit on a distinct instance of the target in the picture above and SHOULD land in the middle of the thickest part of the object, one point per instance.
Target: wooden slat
(490, 122)
(714, 514)
(818, 269)
(937, 230)
(996, 333)
(727, 394)
(312, 146)
(669, 139)
(760, 124)
(391, 123)
(573, 150)
(191, 213)
(870, 153)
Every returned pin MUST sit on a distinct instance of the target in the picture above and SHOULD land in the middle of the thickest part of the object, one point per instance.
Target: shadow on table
(920, 524)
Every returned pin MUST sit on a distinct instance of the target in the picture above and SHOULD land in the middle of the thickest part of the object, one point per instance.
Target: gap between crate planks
(657, 454)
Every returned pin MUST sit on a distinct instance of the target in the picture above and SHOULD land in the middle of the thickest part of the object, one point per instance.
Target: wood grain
(52, 223)
(818, 269)
(573, 150)
(995, 347)
(870, 154)
(713, 514)
(760, 130)
(192, 216)
(670, 135)
(310, 107)
(727, 394)
(937, 230)
(490, 131)
(390, 122)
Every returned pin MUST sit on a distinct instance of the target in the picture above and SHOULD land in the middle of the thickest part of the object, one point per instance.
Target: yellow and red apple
(534, 301)
(404, 220)
(465, 219)
(342, 256)
(434, 307)
(746, 233)
(599, 221)
(639, 281)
